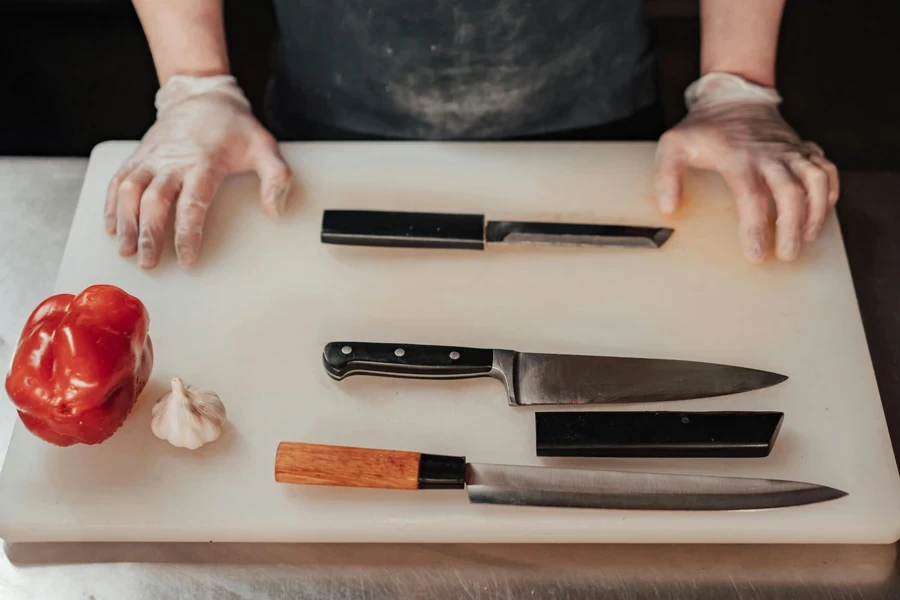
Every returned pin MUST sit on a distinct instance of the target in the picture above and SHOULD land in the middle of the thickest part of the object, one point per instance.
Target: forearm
(741, 37)
(187, 37)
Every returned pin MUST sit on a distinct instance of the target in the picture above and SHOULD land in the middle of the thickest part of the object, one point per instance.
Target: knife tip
(774, 379)
(662, 235)
(830, 493)
(756, 379)
(839, 493)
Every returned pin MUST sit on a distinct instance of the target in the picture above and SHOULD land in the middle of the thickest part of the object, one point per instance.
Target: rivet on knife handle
(343, 359)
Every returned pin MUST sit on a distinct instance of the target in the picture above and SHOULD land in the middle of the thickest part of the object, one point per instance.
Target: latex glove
(204, 131)
(734, 127)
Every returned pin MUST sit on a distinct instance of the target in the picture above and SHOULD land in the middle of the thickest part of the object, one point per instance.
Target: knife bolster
(437, 472)
(503, 369)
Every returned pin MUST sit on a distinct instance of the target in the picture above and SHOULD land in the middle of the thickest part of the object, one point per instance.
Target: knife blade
(472, 232)
(314, 464)
(549, 379)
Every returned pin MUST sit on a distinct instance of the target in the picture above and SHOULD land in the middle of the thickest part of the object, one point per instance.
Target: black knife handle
(343, 359)
(402, 229)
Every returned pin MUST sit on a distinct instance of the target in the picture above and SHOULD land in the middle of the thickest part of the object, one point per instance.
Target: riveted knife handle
(402, 229)
(343, 359)
(342, 466)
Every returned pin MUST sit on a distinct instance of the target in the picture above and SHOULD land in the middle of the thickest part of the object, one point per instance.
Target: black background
(78, 72)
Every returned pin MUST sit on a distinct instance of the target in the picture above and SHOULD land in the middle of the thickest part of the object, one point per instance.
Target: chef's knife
(533, 379)
(467, 231)
(313, 464)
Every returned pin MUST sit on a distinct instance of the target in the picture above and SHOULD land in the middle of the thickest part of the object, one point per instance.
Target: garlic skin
(188, 417)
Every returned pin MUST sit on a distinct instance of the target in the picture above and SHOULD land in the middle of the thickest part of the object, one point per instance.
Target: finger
(155, 205)
(834, 180)
(752, 200)
(815, 180)
(112, 197)
(669, 176)
(814, 149)
(790, 202)
(199, 189)
(274, 178)
(128, 206)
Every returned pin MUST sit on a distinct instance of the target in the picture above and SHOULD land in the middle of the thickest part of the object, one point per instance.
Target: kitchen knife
(534, 379)
(467, 231)
(313, 464)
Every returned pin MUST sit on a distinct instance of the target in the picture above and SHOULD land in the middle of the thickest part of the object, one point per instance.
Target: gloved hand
(204, 131)
(734, 127)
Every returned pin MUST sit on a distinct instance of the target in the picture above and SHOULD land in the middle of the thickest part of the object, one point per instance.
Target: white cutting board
(251, 320)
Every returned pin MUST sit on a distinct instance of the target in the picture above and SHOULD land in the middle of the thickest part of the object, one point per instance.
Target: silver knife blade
(540, 379)
(579, 488)
(576, 234)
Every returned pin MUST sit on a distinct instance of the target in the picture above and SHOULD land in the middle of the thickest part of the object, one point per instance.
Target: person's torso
(458, 69)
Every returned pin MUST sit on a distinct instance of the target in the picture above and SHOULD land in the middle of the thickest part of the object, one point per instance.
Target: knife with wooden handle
(472, 232)
(545, 379)
(313, 464)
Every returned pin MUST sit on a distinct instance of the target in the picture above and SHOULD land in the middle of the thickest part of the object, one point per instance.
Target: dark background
(77, 72)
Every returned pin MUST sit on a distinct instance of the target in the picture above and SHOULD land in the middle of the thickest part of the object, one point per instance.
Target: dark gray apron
(459, 69)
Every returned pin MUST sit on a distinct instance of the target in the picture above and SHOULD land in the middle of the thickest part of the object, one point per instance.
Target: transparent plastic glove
(734, 127)
(204, 131)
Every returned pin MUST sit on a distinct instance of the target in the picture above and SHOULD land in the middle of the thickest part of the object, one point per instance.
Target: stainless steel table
(37, 201)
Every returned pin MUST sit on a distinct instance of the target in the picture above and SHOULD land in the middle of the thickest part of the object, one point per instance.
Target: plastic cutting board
(251, 319)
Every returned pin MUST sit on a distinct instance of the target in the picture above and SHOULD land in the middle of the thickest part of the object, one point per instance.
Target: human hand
(204, 131)
(734, 127)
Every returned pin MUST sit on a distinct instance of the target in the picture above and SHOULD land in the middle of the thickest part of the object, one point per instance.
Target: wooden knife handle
(342, 466)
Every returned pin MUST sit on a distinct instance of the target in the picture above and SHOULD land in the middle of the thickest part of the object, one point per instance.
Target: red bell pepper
(80, 364)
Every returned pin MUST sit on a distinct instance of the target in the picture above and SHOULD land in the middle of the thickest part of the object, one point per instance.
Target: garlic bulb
(188, 417)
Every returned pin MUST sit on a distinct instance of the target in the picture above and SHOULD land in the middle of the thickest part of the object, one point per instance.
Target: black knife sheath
(657, 434)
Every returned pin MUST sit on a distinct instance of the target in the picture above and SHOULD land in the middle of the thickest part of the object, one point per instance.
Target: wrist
(718, 87)
(210, 70)
(758, 74)
(179, 88)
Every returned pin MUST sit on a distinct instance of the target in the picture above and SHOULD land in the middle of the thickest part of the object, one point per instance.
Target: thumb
(670, 167)
(274, 179)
